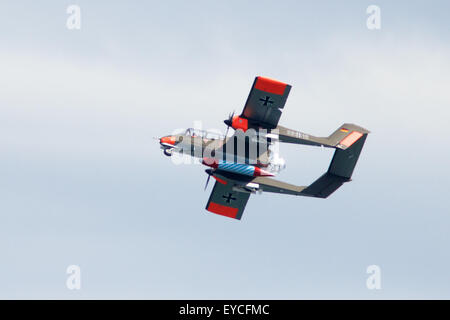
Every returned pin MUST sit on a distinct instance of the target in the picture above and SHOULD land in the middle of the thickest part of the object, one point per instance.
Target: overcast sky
(83, 182)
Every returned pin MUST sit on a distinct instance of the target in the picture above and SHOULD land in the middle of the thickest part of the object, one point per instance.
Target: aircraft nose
(167, 140)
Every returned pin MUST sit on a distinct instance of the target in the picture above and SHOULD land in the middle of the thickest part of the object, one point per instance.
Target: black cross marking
(266, 101)
(229, 197)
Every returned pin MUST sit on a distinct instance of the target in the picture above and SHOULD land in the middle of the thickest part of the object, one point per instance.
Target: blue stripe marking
(239, 168)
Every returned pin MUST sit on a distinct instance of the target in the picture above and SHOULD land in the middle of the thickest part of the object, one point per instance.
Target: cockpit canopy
(204, 134)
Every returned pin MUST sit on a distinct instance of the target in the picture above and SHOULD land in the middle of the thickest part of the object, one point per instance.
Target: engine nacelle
(239, 123)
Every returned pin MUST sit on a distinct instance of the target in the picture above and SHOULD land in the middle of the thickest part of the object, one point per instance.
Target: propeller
(229, 122)
(210, 173)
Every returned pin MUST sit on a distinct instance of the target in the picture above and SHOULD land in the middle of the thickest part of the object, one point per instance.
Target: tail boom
(339, 172)
(342, 138)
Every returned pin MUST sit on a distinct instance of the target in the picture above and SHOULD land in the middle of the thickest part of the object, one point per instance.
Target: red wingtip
(270, 85)
(223, 210)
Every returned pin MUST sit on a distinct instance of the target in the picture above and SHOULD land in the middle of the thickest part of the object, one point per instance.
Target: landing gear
(168, 152)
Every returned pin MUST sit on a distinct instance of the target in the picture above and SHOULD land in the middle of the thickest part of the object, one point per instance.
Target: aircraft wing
(226, 201)
(265, 101)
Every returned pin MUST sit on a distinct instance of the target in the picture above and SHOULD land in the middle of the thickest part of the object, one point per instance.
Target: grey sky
(83, 182)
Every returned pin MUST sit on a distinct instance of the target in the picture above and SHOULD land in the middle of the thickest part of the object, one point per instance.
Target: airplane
(244, 163)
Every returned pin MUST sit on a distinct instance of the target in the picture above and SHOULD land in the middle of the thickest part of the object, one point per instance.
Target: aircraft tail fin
(346, 135)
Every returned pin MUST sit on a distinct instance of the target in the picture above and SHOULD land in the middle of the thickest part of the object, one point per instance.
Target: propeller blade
(209, 172)
(207, 181)
(229, 122)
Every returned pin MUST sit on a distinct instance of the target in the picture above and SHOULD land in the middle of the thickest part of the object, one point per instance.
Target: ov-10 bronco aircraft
(243, 163)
